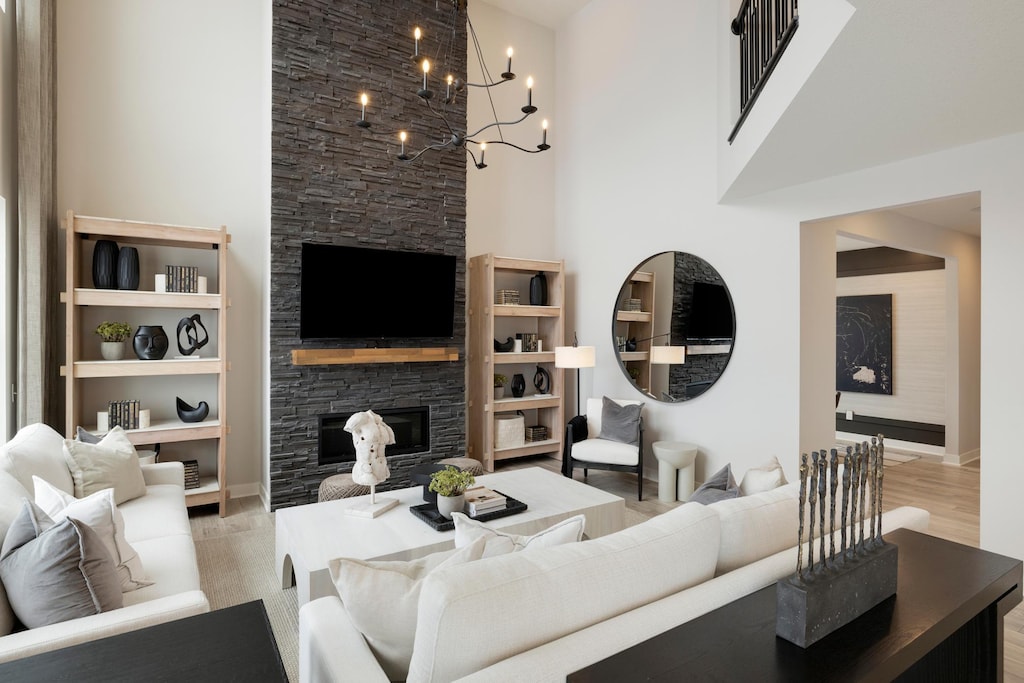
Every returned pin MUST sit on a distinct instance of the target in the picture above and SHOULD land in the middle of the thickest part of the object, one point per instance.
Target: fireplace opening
(410, 425)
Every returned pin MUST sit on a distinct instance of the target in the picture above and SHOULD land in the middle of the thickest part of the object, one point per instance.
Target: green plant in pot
(114, 335)
(499, 385)
(450, 486)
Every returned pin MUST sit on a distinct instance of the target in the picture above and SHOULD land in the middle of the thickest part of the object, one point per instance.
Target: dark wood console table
(232, 644)
(945, 623)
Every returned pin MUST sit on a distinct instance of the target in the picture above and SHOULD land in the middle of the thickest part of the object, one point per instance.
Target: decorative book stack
(124, 414)
(182, 279)
(507, 297)
(191, 473)
(481, 499)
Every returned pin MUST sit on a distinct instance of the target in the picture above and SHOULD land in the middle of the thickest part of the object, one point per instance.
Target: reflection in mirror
(673, 326)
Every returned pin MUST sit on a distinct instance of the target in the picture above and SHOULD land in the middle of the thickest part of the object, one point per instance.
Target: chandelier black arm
(509, 144)
(487, 85)
(420, 153)
(497, 123)
(440, 116)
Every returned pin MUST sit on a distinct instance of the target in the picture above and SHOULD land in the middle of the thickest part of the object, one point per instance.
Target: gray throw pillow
(719, 486)
(56, 572)
(86, 437)
(620, 423)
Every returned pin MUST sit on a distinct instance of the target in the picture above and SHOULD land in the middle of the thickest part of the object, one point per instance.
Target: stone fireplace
(410, 425)
(336, 183)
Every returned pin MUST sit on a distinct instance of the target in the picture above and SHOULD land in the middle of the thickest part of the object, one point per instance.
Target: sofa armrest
(85, 629)
(164, 473)
(331, 648)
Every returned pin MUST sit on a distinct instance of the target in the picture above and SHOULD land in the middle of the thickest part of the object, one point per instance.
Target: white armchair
(591, 451)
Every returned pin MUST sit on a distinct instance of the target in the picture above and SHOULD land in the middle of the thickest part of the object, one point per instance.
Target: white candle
(364, 99)
(483, 149)
(544, 127)
(402, 136)
(508, 69)
(426, 70)
(417, 35)
(448, 90)
(529, 91)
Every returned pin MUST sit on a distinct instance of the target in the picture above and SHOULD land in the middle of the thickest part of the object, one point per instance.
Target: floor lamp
(575, 356)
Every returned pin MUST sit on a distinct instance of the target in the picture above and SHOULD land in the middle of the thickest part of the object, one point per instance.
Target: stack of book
(191, 473)
(124, 414)
(480, 499)
(184, 279)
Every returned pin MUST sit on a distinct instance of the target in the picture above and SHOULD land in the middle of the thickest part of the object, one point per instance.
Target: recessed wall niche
(336, 183)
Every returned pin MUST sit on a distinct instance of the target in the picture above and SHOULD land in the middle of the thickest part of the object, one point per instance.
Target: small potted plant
(114, 335)
(499, 385)
(450, 486)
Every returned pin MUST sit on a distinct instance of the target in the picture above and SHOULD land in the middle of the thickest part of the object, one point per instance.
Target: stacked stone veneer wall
(336, 183)
(698, 367)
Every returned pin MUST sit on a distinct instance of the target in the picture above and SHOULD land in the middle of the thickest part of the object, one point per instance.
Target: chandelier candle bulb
(401, 136)
(417, 34)
(529, 91)
(544, 131)
(508, 69)
(426, 70)
(448, 89)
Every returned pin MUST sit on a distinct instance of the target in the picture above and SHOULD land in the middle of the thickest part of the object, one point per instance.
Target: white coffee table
(309, 536)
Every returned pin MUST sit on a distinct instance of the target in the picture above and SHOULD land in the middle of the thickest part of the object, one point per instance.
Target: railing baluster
(765, 28)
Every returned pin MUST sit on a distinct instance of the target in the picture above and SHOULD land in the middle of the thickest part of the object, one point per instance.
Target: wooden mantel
(358, 356)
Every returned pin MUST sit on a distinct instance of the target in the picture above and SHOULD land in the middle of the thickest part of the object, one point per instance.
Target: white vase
(112, 350)
(446, 505)
(499, 392)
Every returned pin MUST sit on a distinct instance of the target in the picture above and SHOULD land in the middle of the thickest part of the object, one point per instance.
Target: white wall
(628, 191)
(918, 346)
(510, 205)
(164, 116)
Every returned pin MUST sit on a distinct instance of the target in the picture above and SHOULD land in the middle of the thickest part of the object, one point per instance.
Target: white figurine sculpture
(370, 436)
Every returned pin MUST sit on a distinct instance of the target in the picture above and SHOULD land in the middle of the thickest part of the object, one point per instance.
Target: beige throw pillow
(499, 542)
(102, 515)
(764, 478)
(111, 463)
(381, 598)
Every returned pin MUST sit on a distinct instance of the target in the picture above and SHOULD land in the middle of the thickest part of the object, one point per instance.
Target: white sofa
(156, 525)
(553, 611)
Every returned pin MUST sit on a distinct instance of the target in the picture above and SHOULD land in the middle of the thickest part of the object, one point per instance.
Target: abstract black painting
(864, 344)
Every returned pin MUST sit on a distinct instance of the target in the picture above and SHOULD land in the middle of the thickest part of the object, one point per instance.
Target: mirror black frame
(676, 383)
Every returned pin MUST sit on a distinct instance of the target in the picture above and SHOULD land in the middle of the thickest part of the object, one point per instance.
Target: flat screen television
(710, 312)
(359, 293)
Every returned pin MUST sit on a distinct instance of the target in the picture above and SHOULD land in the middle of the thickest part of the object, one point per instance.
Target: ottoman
(470, 465)
(340, 486)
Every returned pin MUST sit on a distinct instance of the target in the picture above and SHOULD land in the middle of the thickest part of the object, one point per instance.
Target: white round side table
(675, 469)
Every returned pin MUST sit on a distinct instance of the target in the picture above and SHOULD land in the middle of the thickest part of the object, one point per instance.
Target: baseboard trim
(246, 490)
(962, 458)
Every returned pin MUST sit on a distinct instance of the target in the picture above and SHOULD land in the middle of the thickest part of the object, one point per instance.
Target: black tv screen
(710, 313)
(354, 292)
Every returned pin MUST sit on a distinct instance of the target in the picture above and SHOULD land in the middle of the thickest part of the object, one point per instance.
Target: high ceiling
(960, 212)
(550, 13)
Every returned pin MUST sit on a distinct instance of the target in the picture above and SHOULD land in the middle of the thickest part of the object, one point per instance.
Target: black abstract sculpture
(191, 326)
(505, 346)
(835, 589)
(187, 413)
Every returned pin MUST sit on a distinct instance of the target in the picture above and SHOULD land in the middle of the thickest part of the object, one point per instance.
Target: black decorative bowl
(421, 475)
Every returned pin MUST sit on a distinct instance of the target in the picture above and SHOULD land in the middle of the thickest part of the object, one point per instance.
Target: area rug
(239, 567)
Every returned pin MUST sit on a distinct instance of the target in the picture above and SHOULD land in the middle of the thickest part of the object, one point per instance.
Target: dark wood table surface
(945, 623)
(232, 644)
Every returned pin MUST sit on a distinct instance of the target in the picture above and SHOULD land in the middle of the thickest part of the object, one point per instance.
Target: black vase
(187, 413)
(104, 264)
(539, 290)
(518, 385)
(128, 268)
(150, 342)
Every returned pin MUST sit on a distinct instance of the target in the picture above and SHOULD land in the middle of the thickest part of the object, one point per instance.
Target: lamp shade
(574, 357)
(668, 355)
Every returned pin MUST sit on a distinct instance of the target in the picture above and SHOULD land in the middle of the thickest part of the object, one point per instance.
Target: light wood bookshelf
(79, 368)
(487, 321)
(637, 325)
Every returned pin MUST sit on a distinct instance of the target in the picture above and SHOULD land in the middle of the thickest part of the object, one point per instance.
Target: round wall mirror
(673, 326)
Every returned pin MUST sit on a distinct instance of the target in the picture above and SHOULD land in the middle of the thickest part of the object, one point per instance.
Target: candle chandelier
(451, 130)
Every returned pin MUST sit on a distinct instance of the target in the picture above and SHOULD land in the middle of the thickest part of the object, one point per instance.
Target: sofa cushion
(101, 514)
(381, 597)
(171, 568)
(161, 512)
(754, 527)
(602, 450)
(719, 486)
(11, 495)
(468, 530)
(56, 572)
(111, 463)
(764, 478)
(574, 586)
(37, 449)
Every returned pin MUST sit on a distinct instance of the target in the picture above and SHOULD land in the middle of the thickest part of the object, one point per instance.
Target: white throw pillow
(111, 463)
(100, 512)
(764, 478)
(499, 542)
(381, 597)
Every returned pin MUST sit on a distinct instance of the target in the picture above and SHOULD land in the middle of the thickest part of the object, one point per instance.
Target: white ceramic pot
(112, 350)
(499, 392)
(446, 505)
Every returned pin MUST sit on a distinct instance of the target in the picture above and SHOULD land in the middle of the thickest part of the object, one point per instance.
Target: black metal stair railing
(765, 28)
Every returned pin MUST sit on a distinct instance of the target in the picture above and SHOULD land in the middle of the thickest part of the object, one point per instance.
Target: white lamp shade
(668, 355)
(574, 357)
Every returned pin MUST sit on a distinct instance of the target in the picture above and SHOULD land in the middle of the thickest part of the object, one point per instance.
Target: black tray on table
(429, 514)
